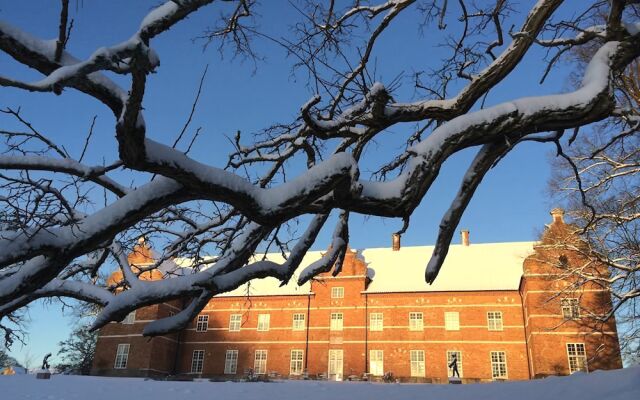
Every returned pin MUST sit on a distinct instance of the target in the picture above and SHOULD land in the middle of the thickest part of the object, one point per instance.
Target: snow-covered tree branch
(57, 237)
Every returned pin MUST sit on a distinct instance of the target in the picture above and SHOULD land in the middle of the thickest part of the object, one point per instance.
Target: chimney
(395, 241)
(558, 215)
(465, 237)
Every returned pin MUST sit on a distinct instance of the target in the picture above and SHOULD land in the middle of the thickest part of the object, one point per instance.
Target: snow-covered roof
(271, 286)
(488, 266)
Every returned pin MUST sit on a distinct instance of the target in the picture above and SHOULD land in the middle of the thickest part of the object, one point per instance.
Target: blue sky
(511, 204)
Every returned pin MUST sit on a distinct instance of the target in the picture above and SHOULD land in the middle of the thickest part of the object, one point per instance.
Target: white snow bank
(610, 385)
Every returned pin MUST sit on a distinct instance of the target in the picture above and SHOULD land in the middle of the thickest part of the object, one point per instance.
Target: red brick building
(495, 306)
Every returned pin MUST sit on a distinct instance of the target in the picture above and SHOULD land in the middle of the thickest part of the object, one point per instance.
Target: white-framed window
(416, 322)
(263, 322)
(298, 322)
(494, 320)
(122, 356)
(417, 363)
(202, 323)
(376, 322)
(231, 362)
(577, 357)
(235, 321)
(570, 308)
(452, 321)
(376, 362)
(337, 292)
(197, 361)
(336, 322)
(498, 365)
(297, 362)
(260, 362)
(458, 355)
(130, 318)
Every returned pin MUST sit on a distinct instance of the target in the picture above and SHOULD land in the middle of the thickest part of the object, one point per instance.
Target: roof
(271, 286)
(486, 266)
(477, 267)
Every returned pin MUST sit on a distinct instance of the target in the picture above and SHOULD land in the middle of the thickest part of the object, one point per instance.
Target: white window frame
(122, 356)
(231, 362)
(197, 361)
(298, 322)
(260, 362)
(202, 323)
(576, 356)
(416, 321)
(337, 292)
(498, 360)
(495, 321)
(417, 362)
(337, 322)
(452, 321)
(130, 318)
(450, 354)
(376, 362)
(235, 322)
(376, 321)
(570, 307)
(264, 320)
(296, 365)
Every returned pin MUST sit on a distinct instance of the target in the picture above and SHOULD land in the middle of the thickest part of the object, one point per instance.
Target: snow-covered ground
(612, 385)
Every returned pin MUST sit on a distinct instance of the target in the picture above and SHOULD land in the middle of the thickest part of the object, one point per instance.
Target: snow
(632, 27)
(272, 200)
(159, 13)
(610, 385)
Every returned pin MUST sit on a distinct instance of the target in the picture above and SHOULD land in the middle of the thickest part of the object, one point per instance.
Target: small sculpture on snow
(45, 362)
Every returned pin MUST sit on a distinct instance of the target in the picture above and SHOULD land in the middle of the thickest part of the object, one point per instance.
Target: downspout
(366, 333)
(174, 370)
(306, 350)
(524, 327)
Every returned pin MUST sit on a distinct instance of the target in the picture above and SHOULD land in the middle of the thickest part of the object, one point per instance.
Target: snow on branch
(218, 217)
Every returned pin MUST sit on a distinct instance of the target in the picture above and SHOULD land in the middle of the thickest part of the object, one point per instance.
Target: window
(417, 363)
(203, 323)
(337, 292)
(231, 362)
(375, 321)
(375, 362)
(570, 308)
(297, 363)
(298, 322)
(450, 355)
(122, 355)
(494, 320)
(130, 318)
(260, 363)
(263, 322)
(197, 361)
(235, 320)
(577, 357)
(498, 365)
(415, 321)
(452, 321)
(336, 322)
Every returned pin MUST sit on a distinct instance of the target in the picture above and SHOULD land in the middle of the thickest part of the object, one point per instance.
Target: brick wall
(547, 285)
(533, 334)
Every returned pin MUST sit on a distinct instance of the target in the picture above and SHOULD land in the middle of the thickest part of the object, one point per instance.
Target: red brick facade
(503, 334)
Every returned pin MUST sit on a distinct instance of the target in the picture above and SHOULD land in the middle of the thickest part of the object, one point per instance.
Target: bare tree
(28, 360)
(598, 176)
(55, 243)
